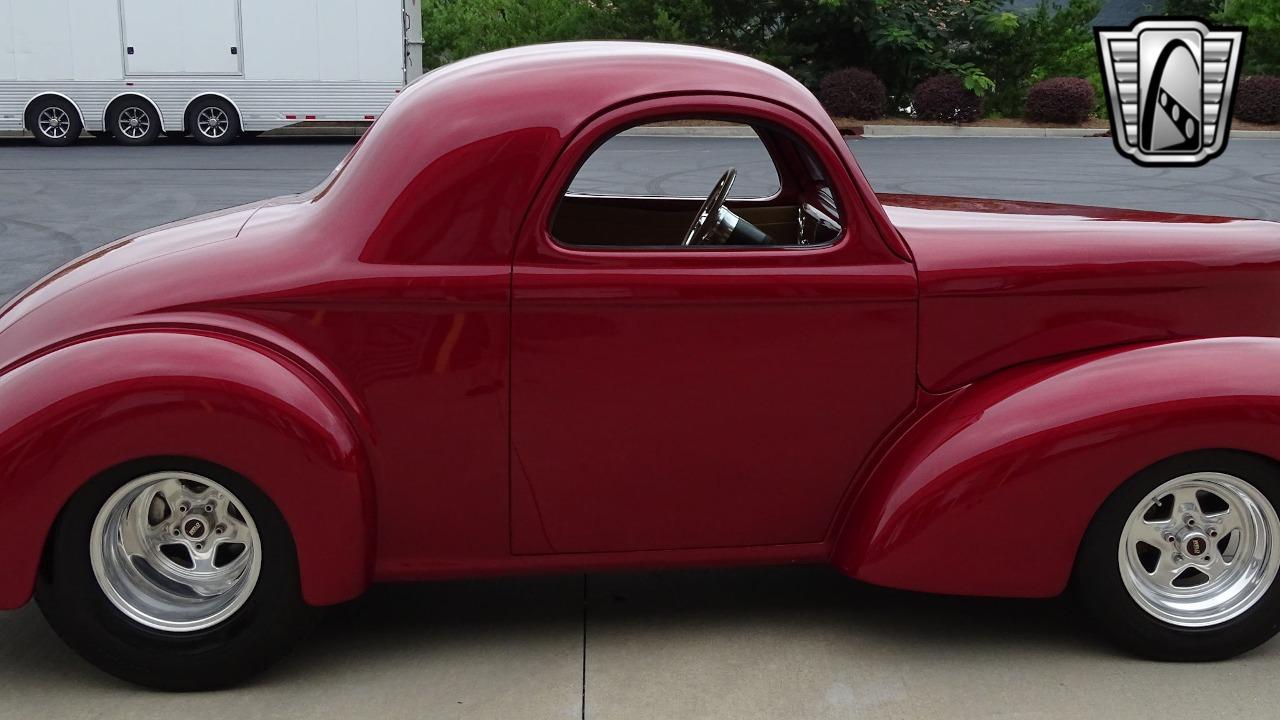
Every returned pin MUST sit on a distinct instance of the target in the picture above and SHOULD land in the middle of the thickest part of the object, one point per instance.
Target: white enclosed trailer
(209, 68)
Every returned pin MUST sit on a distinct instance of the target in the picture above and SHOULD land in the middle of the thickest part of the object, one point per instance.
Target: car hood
(1003, 283)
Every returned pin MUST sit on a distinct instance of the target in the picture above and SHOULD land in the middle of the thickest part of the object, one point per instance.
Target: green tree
(455, 29)
(1193, 8)
(1049, 40)
(1262, 41)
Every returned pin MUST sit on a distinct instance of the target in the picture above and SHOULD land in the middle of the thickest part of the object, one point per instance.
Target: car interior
(759, 187)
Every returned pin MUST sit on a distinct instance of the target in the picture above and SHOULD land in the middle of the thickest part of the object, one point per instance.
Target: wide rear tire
(1180, 563)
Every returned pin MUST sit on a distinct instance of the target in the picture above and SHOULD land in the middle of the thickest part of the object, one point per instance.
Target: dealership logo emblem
(1170, 83)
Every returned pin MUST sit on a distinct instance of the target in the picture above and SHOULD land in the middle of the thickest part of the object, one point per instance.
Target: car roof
(448, 170)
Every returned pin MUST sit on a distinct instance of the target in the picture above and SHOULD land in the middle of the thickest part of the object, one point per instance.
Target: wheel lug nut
(1177, 558)
(220, 529)
(208, 508)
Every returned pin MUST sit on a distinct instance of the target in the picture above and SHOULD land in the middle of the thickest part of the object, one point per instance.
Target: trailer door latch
(234, 50)
(129, 49)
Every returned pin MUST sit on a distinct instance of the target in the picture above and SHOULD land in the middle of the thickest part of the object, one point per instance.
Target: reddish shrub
(853, 92)
(944, 97)
(1258, 99)
(1068, 100)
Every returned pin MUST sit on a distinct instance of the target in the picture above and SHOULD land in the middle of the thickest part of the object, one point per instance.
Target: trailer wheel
(213, 121)
(54, 121)
(133, 121)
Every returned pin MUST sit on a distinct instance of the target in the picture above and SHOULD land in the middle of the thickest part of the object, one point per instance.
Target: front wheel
(174, 576)
(1180, 562)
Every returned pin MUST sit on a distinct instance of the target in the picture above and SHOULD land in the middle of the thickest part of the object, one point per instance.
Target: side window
(734, 185)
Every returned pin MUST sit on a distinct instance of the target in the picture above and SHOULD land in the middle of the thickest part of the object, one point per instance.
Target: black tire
(213, 121)
(1099, 585)
(124, 113)
(262, 630)
(54, 122)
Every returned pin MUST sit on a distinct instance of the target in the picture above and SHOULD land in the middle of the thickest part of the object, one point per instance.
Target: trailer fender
(26, 109)
(990, 492)
(78, 411)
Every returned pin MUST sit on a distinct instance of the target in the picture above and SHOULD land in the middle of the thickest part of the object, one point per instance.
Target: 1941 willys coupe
(442, 362)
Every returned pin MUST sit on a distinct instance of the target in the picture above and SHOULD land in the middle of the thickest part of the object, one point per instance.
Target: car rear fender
(990, 492)
(77, 411)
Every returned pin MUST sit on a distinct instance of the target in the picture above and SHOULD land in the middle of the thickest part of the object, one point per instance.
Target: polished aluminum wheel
(1201, 549)
(175, 551)
(134, 122)
(213, 122)
(54, 123)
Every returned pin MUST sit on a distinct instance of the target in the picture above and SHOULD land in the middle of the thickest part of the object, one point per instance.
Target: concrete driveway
(793, 642)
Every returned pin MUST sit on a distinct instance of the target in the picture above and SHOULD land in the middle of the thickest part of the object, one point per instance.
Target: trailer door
(163, 37)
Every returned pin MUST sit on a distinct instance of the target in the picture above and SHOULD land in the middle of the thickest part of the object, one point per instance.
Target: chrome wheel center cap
(1195, 544)
(195, 528)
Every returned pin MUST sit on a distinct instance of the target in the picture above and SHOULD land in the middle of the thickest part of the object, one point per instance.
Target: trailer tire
(213, 121)
(54, 121)
(133, 121)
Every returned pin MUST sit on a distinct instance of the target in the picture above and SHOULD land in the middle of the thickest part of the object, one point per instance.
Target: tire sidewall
(73, 131)
(1101, 588)
(76, 606)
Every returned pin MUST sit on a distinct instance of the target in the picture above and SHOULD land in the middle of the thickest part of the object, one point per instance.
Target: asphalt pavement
(794, 642)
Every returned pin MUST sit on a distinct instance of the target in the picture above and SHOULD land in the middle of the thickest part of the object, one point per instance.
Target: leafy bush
(1258, 99)
(853, 92)
(1050, 39)
(910, 39)
(944, 97)
(1066, 100)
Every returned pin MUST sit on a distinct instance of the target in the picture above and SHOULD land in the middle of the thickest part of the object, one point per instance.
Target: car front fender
(70, 414)
(991, 490)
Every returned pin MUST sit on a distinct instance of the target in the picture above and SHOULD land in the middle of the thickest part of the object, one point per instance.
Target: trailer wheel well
(35, 103)
(134, 97)
(195, 103)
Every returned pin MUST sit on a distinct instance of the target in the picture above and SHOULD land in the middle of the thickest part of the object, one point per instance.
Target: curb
(959, 131)
(724, 131)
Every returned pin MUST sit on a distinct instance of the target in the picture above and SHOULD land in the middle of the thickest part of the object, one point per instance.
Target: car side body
(428, 385)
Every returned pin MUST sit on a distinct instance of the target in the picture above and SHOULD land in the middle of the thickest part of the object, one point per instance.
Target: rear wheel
(1180, 563)
(180, 579)
(54, 122)
(213, 121)
(133, 121)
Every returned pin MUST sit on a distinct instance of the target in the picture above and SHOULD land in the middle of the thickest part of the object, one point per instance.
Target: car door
(671, 397)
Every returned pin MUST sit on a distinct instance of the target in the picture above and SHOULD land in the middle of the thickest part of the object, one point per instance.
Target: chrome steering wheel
(704, 223)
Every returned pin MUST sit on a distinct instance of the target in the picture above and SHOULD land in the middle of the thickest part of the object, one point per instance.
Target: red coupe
(446, 362)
